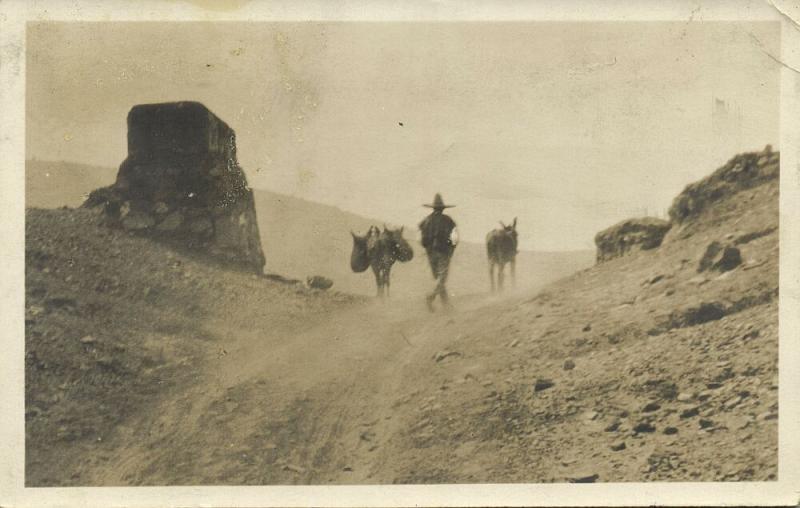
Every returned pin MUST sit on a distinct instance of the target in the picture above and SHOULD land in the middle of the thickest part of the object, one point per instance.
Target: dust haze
(209, 207)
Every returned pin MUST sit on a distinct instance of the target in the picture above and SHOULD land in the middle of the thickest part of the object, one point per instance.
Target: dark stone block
(182, 184)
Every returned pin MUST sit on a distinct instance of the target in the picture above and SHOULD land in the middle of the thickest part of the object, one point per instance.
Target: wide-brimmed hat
(438, 203)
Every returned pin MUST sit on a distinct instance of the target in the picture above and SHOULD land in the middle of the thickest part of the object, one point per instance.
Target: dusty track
(283, 405)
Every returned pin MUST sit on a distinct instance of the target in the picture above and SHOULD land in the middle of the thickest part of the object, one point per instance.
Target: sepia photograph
(402, 252)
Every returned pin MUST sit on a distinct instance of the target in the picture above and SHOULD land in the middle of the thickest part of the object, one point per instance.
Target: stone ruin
(181, 184)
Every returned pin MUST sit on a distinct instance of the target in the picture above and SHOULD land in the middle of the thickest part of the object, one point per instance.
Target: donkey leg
(388, 280)
(491, 275)
(384, 284)
(513, 273)
(500, 275)
(378, 283)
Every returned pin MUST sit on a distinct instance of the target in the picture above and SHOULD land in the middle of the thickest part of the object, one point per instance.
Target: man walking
(439, 239)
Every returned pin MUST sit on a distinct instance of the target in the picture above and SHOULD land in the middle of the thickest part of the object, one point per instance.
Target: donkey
(383, 249)
(501, 248)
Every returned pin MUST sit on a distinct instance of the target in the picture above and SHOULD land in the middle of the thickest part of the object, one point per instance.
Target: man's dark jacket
(436, 229)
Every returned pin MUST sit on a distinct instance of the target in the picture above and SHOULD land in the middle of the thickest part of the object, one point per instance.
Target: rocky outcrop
(743, 171)
(181, 184)
(632, 234)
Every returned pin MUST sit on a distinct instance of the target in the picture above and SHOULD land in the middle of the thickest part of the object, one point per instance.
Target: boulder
(319, 282)
(630, 235)
(542, 384)
(181, 184)
(720, 257)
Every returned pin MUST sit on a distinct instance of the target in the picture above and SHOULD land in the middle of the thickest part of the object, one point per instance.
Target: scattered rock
(767, 415)
(720, 257)
(319, 282)
(690, 316)
(137, 221)
(589, 478)
(170, 223)
(698, 279)
(737, 423)
(644, 427)
(670, 431)
(591, 415)
(160, 208)
(752, 334)
(684, 397)
(618, 446)
(690, 413)
(542, 384)
(650, 407)
(753, 235)
(706, 423)
(88, 339)
(569, 364)
(293, 468)
(613, 426)
(587, 328)
(732, 402)
(652, 280)
(441, 355)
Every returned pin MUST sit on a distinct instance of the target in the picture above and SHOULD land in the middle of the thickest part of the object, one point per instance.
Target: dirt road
(307, 402)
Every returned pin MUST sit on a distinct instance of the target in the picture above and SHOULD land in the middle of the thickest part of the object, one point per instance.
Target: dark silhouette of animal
(501, 248)
(384, 248)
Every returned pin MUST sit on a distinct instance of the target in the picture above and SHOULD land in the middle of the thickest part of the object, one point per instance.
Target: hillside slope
(637, 369)
(115, 325)
(302, 238)
(144, 367)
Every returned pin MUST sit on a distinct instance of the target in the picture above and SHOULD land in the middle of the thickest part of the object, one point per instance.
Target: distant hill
(53, 184)
(302, 238)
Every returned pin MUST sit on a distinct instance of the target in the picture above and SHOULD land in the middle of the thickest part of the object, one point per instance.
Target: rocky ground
(618, 373)
(144, 366)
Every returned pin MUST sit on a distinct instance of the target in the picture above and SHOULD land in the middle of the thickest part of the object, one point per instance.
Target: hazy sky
(569, 126)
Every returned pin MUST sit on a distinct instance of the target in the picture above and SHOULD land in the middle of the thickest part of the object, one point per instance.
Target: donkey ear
(514, 224)
(351, 232)
(501, 223)
(400, 230)
(385, 229)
